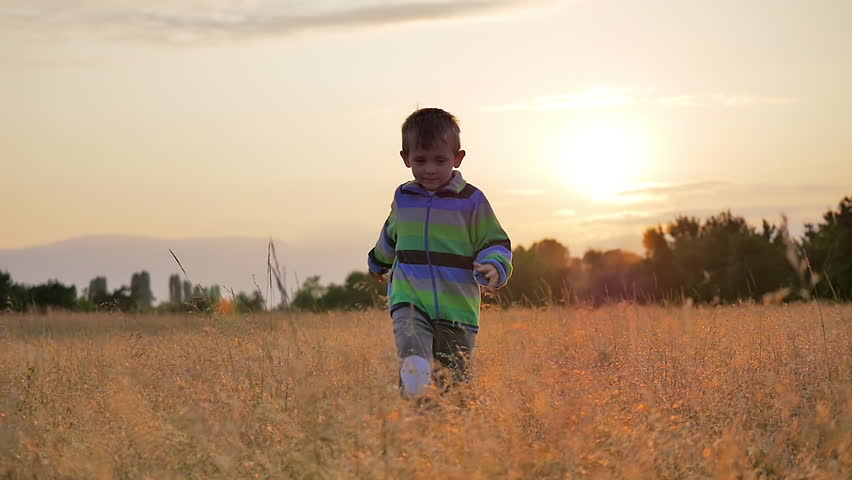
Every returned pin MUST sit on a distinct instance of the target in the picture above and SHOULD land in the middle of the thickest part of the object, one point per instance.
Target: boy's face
(432, 167)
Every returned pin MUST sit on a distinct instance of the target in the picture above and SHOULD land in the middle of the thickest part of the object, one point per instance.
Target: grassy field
(618, 392)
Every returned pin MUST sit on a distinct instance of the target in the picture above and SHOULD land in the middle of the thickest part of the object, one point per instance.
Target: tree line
(137, 297)
(720, 259)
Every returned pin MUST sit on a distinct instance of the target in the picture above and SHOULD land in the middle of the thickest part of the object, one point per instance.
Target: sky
(584, 121)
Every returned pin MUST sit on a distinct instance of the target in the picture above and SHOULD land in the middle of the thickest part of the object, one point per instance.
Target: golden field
(618, 392)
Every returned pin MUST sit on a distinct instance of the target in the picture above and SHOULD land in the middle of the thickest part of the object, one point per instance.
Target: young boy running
(440, 242)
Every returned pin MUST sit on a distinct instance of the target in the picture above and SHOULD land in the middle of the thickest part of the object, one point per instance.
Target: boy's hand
(378, 278)
(489, 272)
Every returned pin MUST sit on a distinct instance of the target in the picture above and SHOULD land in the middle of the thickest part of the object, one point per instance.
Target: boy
(440, 242)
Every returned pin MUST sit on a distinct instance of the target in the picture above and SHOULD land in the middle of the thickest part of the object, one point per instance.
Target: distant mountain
(230, 262)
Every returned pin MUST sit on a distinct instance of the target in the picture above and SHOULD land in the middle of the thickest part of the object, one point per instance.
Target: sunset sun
(603, 157)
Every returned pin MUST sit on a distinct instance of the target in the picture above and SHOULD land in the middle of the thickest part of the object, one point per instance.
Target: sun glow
(601, 158)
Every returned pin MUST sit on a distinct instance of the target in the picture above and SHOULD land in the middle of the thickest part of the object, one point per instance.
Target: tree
(655, 243)
(363, 291)
(10, 293)
(122, 300)
(542, 274)
(309, 294)
(655, 279)
(6, 286)
(140, 290)
(175, 290)
(609, 275)
(52, 294)
(187, 291)
(726, 259)
(249, 304)
(552, 253)
(97, 292)
(214, 293)
(828, 246)
(335, 297)
(204, 299)
(683, 228)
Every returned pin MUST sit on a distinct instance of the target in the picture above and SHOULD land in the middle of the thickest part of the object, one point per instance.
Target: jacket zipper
(429, 258)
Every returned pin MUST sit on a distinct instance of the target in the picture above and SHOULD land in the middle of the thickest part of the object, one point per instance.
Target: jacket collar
(455, 185)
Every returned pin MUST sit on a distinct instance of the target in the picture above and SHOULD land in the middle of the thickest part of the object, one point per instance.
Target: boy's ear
(404, 156)
(459, 158)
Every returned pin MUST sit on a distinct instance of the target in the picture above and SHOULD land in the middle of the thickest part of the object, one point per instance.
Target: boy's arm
(491, 243)
(381, 257)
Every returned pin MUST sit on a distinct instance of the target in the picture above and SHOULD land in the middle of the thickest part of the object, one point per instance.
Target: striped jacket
(430, 242)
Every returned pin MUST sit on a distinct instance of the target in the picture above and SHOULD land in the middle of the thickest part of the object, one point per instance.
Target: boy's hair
(428, 125)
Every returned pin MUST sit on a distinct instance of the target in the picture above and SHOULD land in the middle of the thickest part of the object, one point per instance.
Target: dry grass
(619, 392)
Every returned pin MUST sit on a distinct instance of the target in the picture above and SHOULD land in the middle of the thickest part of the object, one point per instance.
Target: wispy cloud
(608, 97)
(677, 191)
(682, 101)
(668, 189)
(626, 217)
(748, 100)
(204, 19)
(753, 213)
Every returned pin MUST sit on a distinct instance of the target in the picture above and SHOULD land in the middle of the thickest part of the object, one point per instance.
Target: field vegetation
(622, 391)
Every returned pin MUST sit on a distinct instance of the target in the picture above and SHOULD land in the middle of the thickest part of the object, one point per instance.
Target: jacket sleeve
(381, 257)
(491, 243)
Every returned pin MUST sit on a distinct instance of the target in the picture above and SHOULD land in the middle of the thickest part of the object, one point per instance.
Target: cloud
(749, 100)
(668, 189)
(799, 213)
(609, 97)
(682, 101)
(205, 19)
(641, 219)
(734, 190)
(626, 217)
(752, 200)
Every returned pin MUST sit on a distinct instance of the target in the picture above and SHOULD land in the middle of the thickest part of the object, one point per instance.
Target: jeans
(451, 346)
